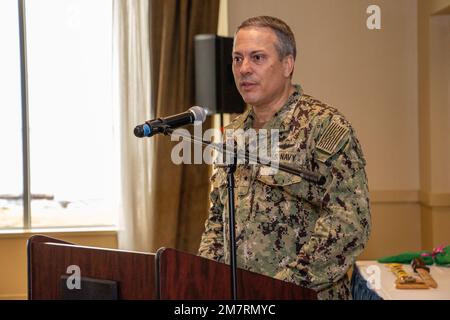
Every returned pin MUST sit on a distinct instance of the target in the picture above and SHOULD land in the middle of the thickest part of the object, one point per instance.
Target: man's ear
(288, 65)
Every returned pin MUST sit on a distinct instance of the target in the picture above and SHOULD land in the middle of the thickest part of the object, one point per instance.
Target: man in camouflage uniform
(286, 226)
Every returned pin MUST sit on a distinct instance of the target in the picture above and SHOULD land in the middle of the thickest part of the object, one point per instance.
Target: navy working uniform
(287, 227)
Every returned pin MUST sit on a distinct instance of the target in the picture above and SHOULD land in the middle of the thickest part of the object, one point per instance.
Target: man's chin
(248, 99)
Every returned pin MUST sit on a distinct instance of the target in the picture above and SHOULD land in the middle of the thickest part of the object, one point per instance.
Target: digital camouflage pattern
(289, 228)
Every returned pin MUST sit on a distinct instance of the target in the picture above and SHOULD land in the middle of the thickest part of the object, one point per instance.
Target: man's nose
(246, 67)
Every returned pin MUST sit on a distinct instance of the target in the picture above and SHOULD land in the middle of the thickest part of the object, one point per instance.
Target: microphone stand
(231, 169)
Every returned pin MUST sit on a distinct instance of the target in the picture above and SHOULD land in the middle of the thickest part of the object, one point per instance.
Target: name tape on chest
(332, 136)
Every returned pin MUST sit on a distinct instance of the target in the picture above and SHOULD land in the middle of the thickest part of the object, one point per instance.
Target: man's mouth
(247, 84)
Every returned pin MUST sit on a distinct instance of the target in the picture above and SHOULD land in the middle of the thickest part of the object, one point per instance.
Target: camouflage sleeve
(211, 244)
(343, 226)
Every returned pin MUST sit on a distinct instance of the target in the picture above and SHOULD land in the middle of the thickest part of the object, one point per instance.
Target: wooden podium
(169, 274)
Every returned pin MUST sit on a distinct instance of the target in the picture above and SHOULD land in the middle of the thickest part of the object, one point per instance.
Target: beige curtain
(181, 192)
(131, 19)
(163, 204)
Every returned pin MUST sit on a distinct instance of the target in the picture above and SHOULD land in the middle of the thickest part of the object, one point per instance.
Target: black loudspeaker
(215, 89)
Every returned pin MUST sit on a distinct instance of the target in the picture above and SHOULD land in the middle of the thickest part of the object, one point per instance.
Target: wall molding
(59, 232)
(433, 199)
(13, 296)
(394, 196)
(429, 199)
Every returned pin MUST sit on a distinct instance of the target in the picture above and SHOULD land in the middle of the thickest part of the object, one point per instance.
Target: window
(71, 150)
(11, 187)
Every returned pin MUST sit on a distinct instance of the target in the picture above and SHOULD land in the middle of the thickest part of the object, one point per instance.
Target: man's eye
(237, 59)
(258, 57)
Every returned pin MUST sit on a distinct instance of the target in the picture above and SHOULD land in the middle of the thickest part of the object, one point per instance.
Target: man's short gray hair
(286, 40)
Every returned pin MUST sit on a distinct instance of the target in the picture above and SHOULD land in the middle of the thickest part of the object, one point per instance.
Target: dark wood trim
(30, 242)
(186, 276)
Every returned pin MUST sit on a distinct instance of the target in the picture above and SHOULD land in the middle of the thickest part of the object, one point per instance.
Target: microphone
(155, 126)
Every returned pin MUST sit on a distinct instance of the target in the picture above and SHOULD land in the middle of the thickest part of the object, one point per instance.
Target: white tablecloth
(387, 290)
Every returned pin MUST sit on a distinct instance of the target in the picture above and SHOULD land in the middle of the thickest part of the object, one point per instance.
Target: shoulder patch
(332, 136)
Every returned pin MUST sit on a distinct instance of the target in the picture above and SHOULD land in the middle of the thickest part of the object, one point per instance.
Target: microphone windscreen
(199, 113)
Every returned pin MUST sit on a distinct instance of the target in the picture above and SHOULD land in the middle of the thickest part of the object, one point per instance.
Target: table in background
(364, 270)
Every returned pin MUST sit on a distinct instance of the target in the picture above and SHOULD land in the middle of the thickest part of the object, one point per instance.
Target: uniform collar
(282, 117)
(280, 120)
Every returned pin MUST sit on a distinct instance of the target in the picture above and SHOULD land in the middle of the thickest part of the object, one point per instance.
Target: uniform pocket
(278, 196)
(288, 197)
(241, 180)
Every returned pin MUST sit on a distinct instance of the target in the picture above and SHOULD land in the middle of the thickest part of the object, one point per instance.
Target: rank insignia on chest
(332, 136)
